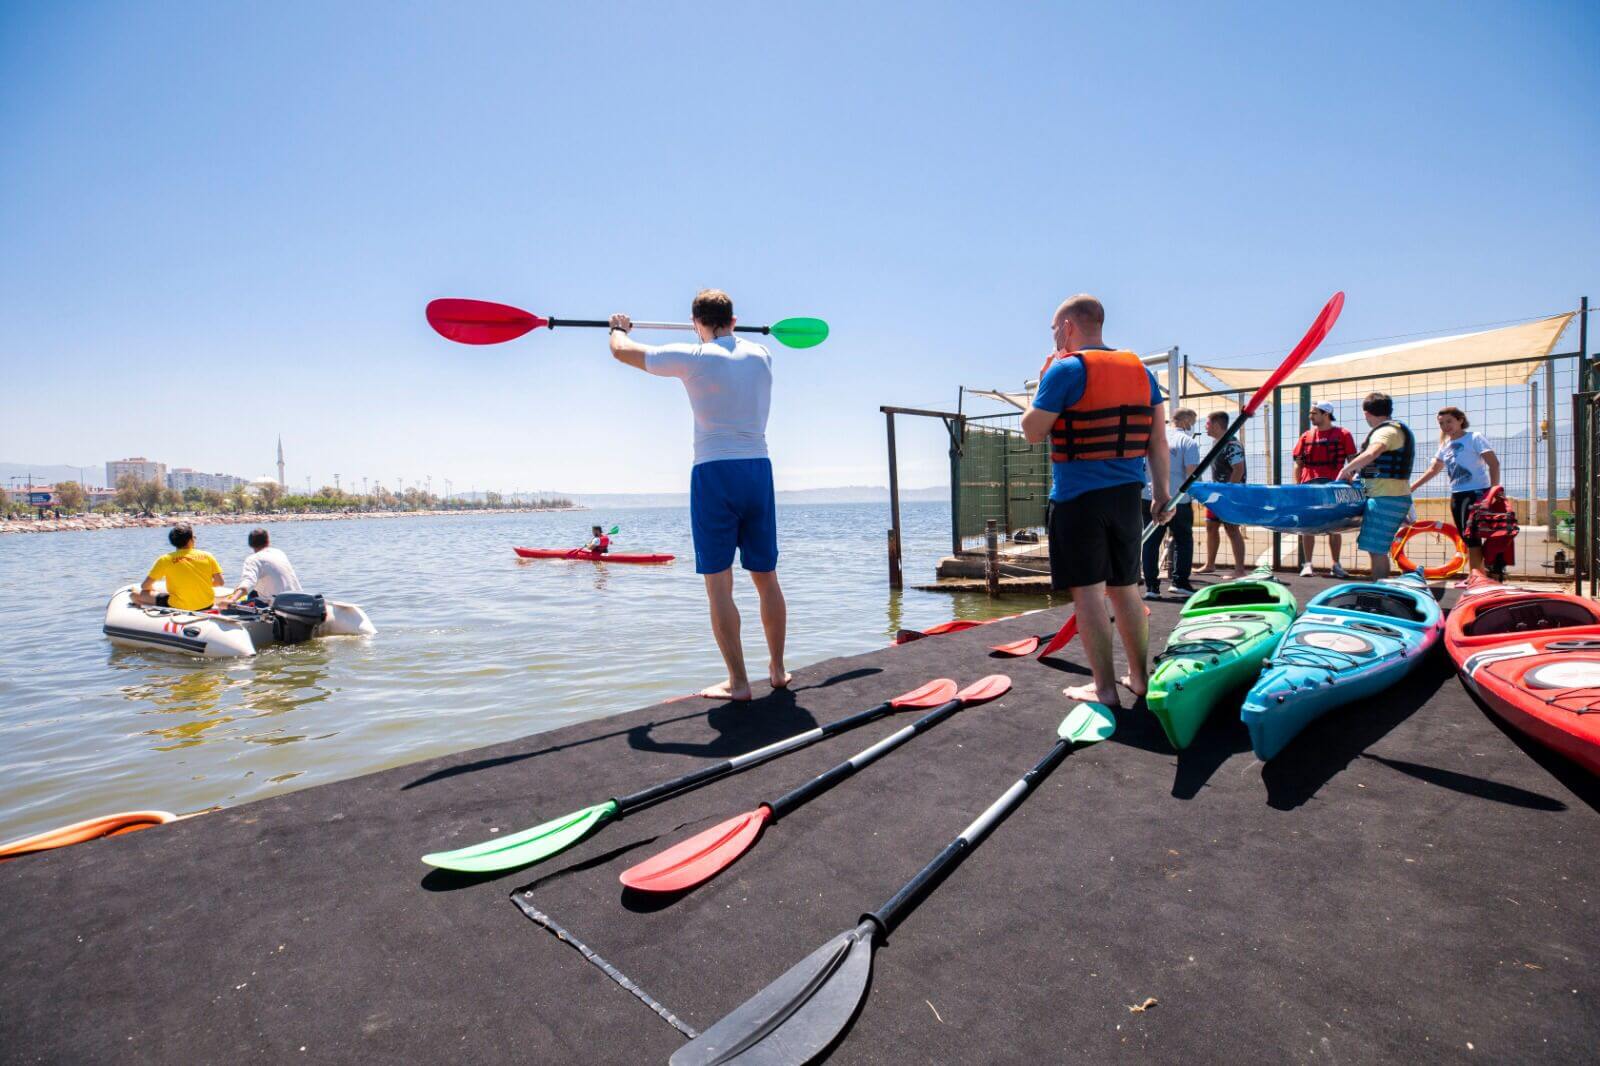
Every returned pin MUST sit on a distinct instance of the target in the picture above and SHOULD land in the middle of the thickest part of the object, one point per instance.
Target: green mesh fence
(1000, 476)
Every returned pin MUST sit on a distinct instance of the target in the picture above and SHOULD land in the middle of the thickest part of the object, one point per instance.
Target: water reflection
(195, 700)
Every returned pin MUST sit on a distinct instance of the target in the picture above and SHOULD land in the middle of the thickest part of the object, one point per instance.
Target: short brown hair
(1220, 417)
(1378, 403)
(1458, 414)
(713, 309)
(258, 538)
(1085, 310)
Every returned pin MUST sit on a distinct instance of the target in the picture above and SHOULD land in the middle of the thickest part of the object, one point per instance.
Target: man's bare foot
(1126, 681)
(780, 678)
(1203, 568)
(1240, 573)
(1090, 694)
(725, 690)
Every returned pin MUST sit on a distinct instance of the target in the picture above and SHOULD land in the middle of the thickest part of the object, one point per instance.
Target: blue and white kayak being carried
(1352, 642)
(1315, 507)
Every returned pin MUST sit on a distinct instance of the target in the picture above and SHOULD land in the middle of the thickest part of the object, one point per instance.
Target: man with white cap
(1319, 455)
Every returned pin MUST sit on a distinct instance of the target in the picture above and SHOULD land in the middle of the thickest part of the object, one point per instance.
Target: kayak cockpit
(1368, 600)
(1530, 616)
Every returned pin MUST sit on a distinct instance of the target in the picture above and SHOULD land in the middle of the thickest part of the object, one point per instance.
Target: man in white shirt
(731, 501)
(266, 571)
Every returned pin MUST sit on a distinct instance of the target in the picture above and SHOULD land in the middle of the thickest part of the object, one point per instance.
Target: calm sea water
(474, 646)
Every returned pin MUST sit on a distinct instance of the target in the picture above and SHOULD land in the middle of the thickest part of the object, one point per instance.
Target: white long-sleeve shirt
(267, 573)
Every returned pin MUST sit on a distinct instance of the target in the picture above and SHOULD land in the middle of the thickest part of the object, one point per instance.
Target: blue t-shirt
(1060, 388)
(1463, 461)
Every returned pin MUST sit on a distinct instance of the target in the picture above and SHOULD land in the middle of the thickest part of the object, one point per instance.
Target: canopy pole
(1550, 447)
(895, 579)
(1533, 454)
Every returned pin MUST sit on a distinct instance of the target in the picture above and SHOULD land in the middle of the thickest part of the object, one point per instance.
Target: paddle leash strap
(750, 758)
(524, 902)
(891, 913)
(826, 780)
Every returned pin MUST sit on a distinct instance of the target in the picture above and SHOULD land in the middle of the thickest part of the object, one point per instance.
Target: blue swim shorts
(731, 505)
(1381, 522)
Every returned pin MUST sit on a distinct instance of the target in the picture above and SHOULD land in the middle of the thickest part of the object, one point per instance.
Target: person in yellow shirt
(1384, 466)
(190, 575)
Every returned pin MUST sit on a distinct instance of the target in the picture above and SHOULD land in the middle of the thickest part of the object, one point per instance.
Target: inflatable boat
(230, 631)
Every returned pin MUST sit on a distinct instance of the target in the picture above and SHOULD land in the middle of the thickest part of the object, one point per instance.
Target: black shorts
(1095, 538)
(1461, 504)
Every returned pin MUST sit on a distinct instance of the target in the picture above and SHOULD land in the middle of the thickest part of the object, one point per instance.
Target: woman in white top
(1473, 467)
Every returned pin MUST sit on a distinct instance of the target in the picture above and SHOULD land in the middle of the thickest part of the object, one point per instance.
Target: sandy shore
(84, 523)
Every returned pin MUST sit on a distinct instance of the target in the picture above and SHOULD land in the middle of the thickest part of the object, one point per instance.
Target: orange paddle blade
(699, 858)
(987, 688)
(1024, 646)
(930, 695)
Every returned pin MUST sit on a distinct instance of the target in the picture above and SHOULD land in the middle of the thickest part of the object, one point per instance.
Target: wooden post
(991, 557)
(895, 579)
(956, 426)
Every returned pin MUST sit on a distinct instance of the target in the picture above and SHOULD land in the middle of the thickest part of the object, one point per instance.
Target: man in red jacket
(1319, 455)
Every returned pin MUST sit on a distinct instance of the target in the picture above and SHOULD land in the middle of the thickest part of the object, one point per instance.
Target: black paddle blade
(798, 1016)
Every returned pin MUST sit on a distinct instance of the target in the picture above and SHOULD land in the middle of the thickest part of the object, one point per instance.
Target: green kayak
(1225, 632)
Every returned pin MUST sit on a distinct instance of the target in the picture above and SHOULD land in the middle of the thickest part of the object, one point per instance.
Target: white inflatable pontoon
(220, 633)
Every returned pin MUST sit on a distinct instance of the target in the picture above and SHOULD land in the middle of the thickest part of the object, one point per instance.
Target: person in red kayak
(1100, 409)
(599, 543)
(1319, 455)
(732, 507)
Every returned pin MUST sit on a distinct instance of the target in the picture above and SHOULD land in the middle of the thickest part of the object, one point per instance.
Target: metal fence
(1529, 425)
(1000, 476)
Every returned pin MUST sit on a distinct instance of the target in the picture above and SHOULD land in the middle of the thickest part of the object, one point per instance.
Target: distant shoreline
(94, 522)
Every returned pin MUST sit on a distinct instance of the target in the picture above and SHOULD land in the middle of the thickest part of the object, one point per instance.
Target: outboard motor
(296, 616)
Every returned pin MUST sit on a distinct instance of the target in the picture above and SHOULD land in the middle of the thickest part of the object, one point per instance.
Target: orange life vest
(1113, 418)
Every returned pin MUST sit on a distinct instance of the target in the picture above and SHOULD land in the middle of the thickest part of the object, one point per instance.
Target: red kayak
(1532, 657)
(594, 557)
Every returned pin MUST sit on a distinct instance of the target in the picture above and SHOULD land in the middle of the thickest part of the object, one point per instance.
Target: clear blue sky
(229, 217)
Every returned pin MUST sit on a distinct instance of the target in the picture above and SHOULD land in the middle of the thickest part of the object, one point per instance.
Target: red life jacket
(1113, 418)
(1493, 522)
(1323, 453)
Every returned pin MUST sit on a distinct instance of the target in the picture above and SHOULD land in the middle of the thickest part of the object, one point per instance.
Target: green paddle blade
(528, 846)
(614, 530)
(1087, 723)
(800, 332)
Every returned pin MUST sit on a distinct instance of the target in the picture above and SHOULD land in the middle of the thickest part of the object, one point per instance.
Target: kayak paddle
(798, 1016)
(482, 322)
(548, 838)
(1302, 351)
(706, 854)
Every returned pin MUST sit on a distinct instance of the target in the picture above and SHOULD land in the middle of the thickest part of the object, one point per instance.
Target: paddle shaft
(891, 913)
(750, 758)
(602, 323)
(826, 780)
(1205, 464)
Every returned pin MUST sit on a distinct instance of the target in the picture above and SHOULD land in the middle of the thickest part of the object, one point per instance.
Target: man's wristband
(619, 329)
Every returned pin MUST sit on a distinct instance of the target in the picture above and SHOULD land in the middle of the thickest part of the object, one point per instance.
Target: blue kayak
(1315, 507)
(1352, 642)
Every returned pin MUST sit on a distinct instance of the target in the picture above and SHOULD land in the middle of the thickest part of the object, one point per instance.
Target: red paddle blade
(1063, 637)
(699, 858)
(1308, 344)
(930, 695)
(1017, 647)
(987, 688)
(480, 322)
(955, 625)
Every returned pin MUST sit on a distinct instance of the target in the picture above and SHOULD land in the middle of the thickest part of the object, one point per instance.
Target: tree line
(151, 497)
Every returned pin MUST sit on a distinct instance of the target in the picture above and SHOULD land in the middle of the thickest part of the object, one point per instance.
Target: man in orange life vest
(1100, 409)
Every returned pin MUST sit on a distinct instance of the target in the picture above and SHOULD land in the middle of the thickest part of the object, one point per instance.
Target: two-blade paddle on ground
(1302, 351)
(483, 322)
(548, 838)
(708, 853)
(800, 1015)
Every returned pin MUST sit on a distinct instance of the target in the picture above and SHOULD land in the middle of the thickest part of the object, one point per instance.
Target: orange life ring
(107, 825)
(1433, 573)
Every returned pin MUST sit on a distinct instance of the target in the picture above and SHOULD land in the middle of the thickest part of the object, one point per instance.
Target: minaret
(280, 461)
